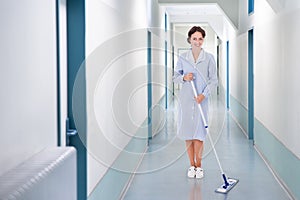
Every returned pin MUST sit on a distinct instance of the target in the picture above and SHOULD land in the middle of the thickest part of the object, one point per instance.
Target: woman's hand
(200, 98)
(188, 77)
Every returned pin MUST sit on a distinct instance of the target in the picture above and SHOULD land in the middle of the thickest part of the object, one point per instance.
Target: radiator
(50, 174)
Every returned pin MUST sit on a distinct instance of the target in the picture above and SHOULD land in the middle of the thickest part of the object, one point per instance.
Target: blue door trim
(173, 66)
(75, 58)
(250, 7)
(227, 76)
(166, 63)
(166, 23)
(218, 64)
(166, 75)
(250, 86)
(58, 75)
(149, 85)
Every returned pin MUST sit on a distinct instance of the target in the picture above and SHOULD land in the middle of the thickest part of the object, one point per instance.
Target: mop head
(224, 189)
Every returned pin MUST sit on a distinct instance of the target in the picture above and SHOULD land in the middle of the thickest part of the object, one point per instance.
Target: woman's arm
(178, 72)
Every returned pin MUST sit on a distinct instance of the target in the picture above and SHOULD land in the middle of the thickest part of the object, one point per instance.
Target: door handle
(69, 132)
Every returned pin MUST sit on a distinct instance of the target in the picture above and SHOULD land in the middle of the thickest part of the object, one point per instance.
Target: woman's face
(197, 39)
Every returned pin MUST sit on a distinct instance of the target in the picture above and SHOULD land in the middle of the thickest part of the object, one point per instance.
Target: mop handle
(206, 127)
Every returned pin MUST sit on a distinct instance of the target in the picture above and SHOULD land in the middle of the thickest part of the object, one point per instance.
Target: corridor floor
(162, 173)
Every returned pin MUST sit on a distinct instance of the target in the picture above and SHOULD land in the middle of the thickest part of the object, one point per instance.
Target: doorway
(250, 86)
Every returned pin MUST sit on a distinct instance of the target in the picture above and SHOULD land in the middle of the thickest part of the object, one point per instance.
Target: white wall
(275, 68)
(27, 80)
(238, 60)
(158, 78)
(116, 49)
(62, 13)
(238, 72)
(158, 37)
(222, 65)
(276, 80)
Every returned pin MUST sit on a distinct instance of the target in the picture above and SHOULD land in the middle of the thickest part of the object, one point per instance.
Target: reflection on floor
(162, 173)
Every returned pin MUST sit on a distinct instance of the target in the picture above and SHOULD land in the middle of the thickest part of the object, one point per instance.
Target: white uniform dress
(190, 125)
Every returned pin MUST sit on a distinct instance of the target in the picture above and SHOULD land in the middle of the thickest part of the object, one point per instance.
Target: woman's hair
(193, 30)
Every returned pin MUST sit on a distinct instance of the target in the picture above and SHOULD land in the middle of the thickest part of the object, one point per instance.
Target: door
(149, 85)
(227, 76)
(76, 87)
(250, 86)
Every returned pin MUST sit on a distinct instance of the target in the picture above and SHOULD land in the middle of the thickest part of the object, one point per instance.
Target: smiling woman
(199, 66)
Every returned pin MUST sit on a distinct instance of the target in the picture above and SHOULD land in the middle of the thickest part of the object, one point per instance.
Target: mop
(229, 183)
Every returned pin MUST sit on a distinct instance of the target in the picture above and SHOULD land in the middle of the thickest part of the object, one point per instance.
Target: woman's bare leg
(190, 151)
(198, 149)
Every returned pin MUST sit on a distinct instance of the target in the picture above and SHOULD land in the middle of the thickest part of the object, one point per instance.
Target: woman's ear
(188, 40)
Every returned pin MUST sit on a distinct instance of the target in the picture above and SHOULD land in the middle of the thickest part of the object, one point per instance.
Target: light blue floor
(162, 173)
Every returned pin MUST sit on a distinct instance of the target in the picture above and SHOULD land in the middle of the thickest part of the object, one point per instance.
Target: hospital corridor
(150, 100)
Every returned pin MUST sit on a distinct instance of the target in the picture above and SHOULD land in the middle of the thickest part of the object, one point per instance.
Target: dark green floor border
(114, 182)
(240, 113)
(282, 161)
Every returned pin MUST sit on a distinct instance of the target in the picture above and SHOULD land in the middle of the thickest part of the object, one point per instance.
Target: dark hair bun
(193, 30)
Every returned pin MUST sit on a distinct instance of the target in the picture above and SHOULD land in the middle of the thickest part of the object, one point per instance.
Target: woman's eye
(200, 39)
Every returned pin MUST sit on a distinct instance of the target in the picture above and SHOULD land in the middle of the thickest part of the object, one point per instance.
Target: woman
(199, 66)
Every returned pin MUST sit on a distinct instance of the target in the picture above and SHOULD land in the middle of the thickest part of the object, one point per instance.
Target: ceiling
(210, 14)
(177, 10)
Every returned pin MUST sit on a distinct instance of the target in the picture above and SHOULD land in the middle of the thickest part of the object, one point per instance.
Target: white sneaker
(199, 172)
(191, 172)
